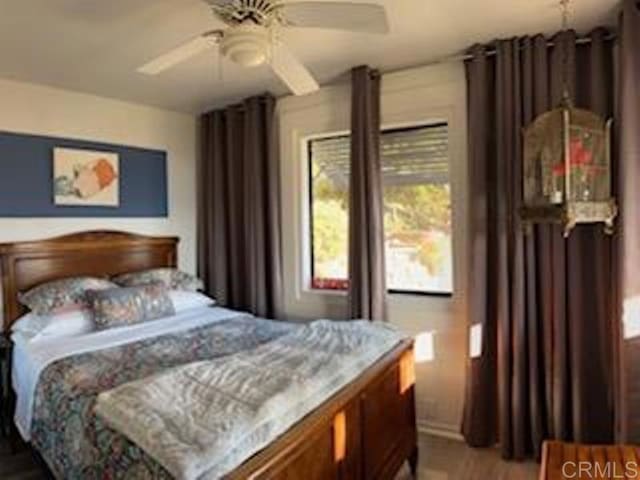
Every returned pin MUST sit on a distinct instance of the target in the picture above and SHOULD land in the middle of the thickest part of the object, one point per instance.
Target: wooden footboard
(366, 431)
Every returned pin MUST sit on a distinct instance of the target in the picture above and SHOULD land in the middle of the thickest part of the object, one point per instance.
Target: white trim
(441, 430)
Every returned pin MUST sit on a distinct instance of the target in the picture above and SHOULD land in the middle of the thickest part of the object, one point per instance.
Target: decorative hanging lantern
(567, 165)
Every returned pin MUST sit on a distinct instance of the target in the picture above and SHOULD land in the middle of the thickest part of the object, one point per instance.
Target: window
(417, 201)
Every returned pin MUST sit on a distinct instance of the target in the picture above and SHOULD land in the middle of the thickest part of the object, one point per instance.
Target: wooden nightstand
(6, 396)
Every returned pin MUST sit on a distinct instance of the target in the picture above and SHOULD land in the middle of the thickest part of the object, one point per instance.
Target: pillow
(65, 294)
(172, 278)
(67, 324)
(183, 300)
(118, 307)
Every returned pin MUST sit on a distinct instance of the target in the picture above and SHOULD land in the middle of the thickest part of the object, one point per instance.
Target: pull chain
(566, 98)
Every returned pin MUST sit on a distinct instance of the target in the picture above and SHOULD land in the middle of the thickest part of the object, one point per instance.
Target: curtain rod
(467, 56)
(461, 57)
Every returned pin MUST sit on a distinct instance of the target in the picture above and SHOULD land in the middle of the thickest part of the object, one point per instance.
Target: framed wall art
(86, 178)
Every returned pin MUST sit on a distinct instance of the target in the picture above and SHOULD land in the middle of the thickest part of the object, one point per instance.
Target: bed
(364, 430)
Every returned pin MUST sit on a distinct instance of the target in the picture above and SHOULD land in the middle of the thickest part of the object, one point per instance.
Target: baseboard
(442, 430)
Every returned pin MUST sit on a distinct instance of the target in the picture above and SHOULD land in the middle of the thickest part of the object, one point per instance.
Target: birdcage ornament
(567, 168)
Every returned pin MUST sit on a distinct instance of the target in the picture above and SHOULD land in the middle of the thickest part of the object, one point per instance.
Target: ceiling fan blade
(355, 17)
(292, 72)
(181, 53)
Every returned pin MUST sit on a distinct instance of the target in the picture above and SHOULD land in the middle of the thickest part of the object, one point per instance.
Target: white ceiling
(95, 46)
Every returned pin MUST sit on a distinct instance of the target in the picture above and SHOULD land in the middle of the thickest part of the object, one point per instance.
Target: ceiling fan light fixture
(246, 45)
(252, 36)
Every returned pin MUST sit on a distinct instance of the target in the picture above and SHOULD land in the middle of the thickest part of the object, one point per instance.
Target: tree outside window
(417, 201)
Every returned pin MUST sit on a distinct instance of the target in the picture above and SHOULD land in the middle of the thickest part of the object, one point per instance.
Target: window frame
(310, 225)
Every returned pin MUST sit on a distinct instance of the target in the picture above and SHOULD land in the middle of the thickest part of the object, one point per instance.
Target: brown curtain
(367, 282)
(629, 220)
(545, 303)
(239, 212)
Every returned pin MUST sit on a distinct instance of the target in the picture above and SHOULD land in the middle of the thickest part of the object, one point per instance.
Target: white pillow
(33, 327)
(80, 322)
(184, 300)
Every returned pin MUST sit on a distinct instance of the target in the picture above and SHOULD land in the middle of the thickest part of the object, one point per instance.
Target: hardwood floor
(443, 459)
(440, 459)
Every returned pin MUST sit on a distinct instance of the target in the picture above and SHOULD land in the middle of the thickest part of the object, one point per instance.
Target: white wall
(27, 108)
(419, 95)
(413, 96)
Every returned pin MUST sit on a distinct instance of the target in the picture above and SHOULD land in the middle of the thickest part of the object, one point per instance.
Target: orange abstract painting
(85, 178)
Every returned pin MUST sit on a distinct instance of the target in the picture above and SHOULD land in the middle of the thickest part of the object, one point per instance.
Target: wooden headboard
(98, 253)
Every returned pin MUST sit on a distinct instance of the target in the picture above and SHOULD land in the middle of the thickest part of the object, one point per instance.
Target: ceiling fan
(252, 36)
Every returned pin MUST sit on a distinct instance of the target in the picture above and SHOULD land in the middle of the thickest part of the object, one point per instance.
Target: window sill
(412, 293)
(401, 305)
(390, 293)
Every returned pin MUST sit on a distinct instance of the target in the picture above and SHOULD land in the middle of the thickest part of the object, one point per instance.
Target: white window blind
(410, 156)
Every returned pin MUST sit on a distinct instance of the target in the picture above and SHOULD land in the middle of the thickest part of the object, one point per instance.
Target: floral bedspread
(75, 443)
